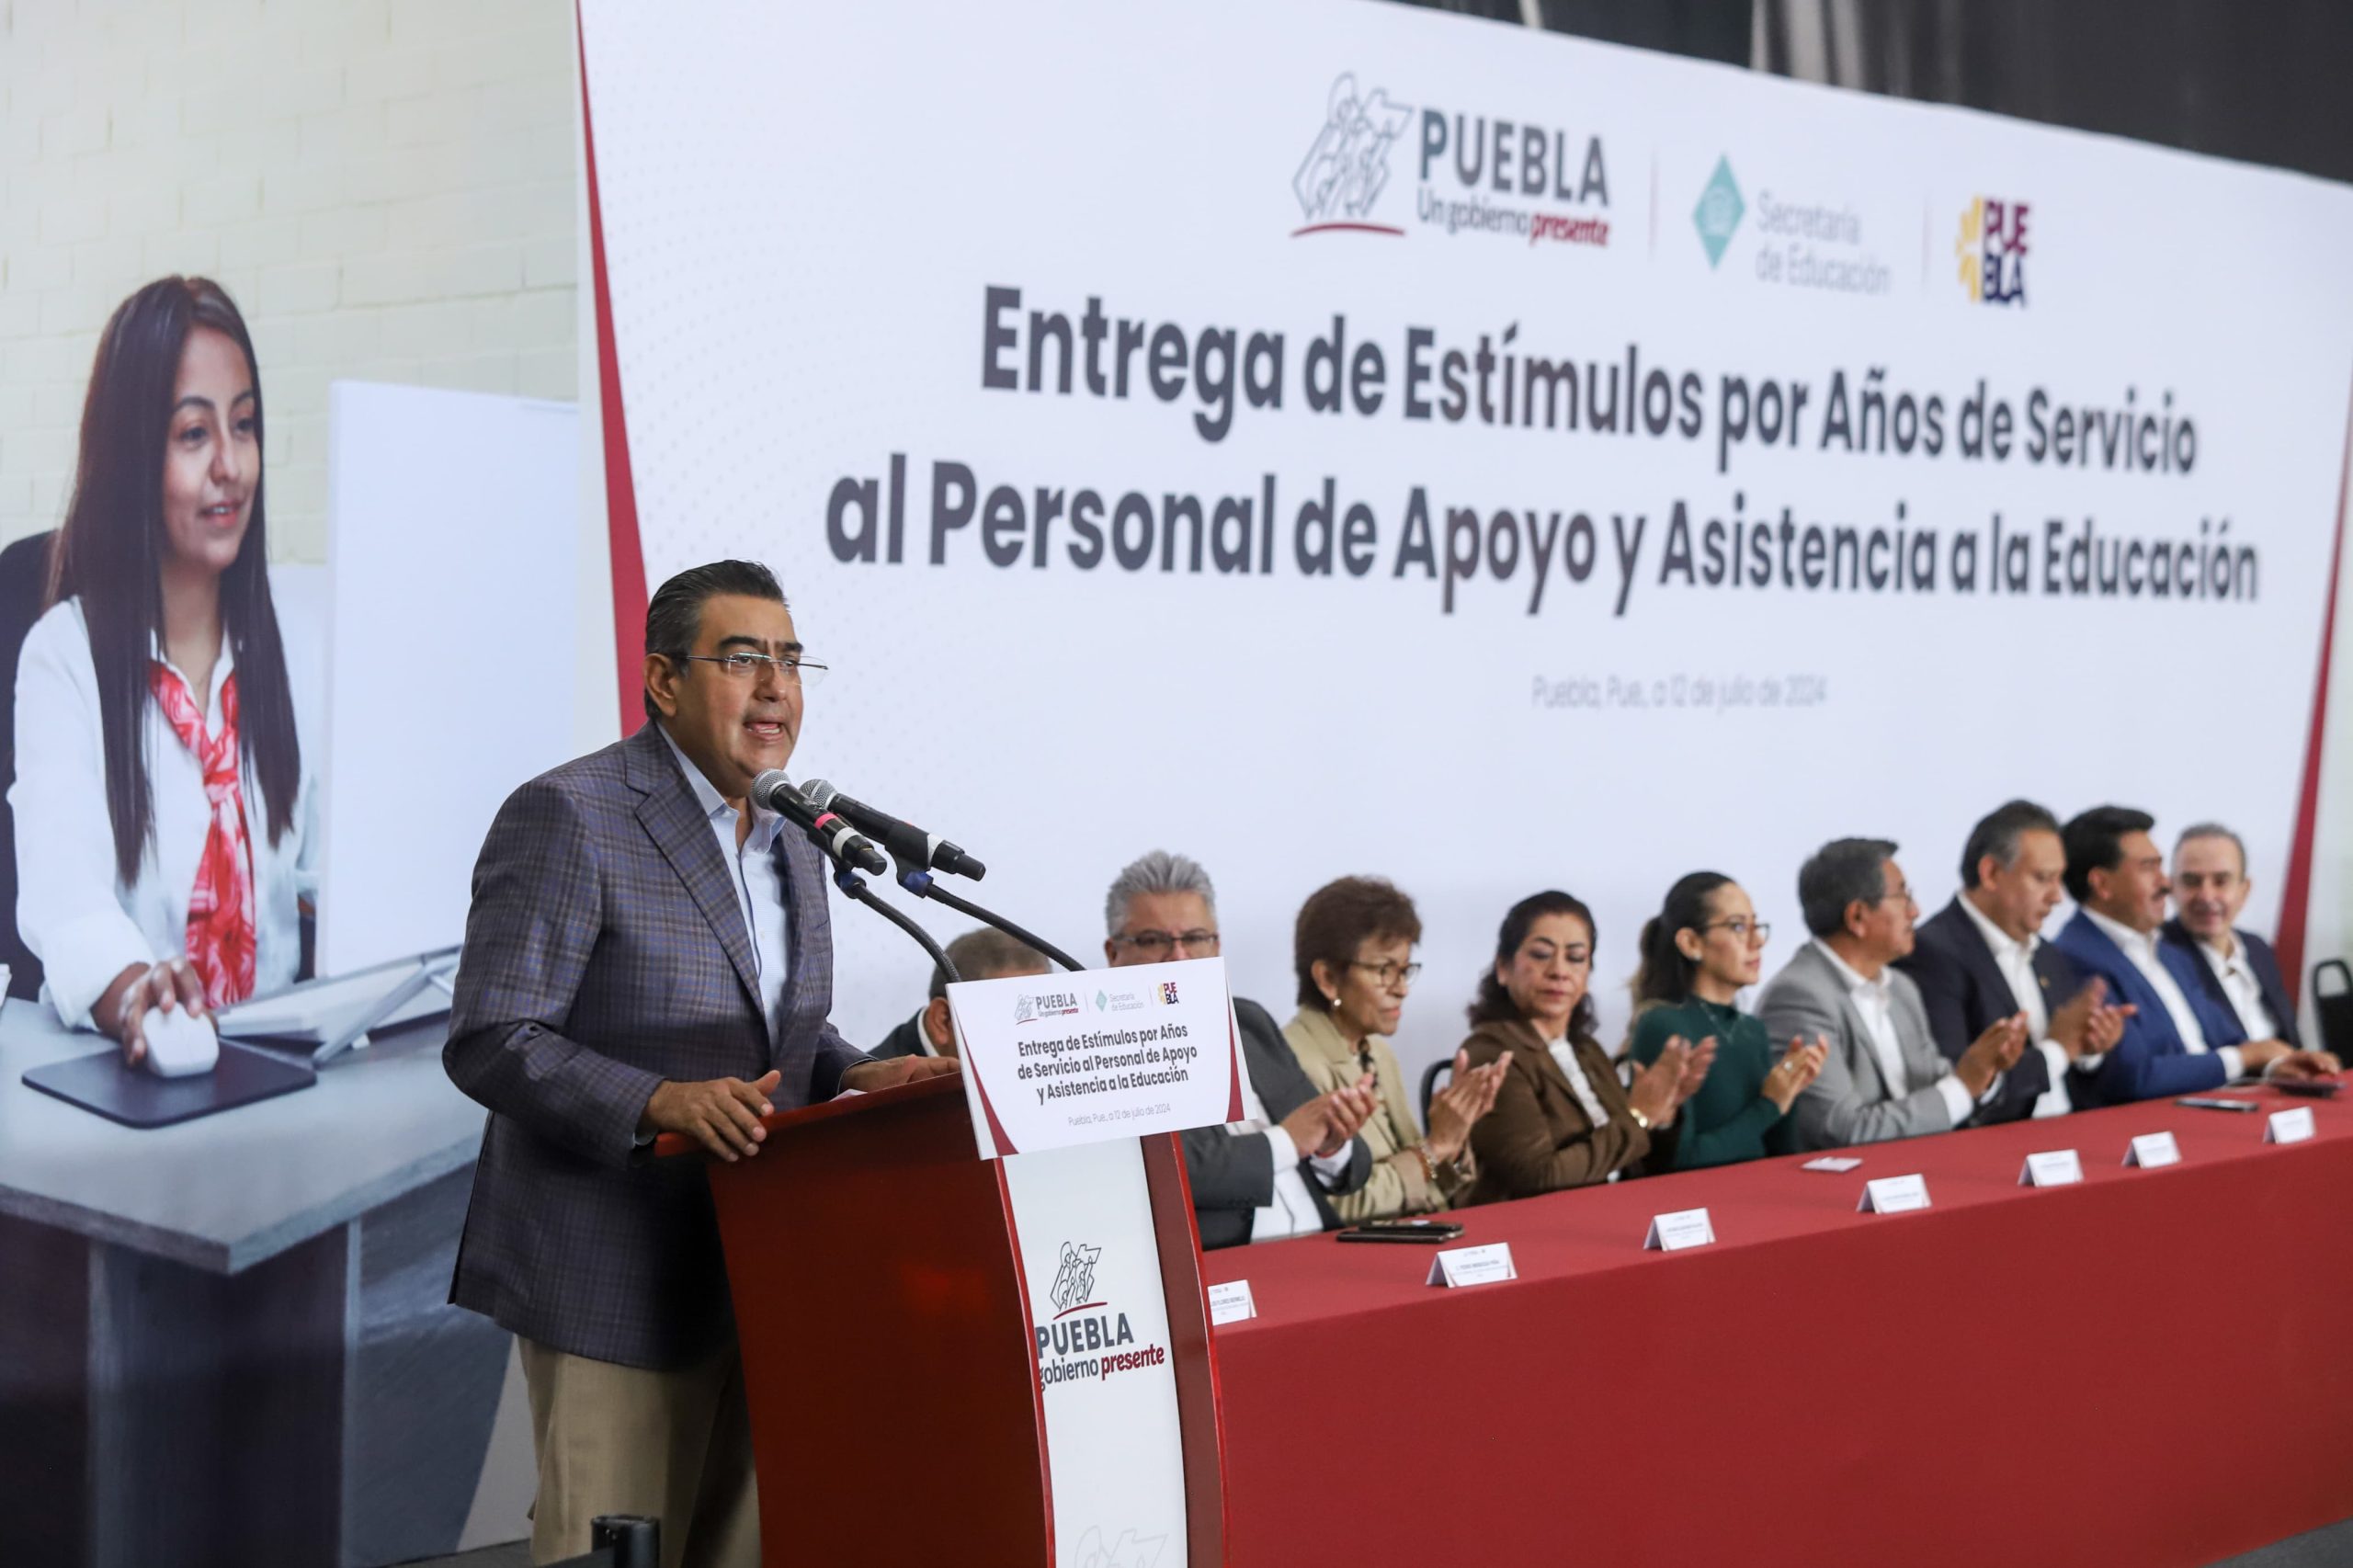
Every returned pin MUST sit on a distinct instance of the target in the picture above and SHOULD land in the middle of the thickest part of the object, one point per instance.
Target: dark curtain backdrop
(2265, 81)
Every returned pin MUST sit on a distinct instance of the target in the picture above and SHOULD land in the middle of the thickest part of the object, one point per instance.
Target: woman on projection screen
(1562, 1118)
(164, 799)
(1352, 949)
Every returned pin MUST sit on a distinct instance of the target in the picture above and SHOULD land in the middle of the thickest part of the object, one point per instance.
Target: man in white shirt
(1883, 1076)
(1981, 958)
(2210, 889)
(1264, 1177)
(985, 954)
(2177, 1041)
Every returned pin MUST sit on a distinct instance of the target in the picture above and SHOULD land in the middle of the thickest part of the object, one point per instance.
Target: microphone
(906, 840)
(834, 834)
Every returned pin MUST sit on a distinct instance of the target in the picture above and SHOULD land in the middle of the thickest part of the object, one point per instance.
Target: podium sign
(1054, 1060)
(1063, 1076)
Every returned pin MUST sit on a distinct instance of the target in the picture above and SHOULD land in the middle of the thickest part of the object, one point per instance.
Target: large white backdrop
(805, 208)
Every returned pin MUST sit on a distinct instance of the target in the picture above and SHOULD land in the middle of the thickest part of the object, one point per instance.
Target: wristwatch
(1641, 1121)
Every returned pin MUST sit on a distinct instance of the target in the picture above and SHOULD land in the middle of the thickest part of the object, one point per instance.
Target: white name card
(1473, 1266)
(1684, 1228)
(1833, 1162)
(2290, 1125)
(1893, 1194)
(2059, 1167)
(2152, 1149)
(1231, 1301)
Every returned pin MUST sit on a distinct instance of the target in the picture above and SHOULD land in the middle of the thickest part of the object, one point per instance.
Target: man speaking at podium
(647, 952)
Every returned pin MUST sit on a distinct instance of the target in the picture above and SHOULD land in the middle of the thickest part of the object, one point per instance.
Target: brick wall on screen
(385, 187)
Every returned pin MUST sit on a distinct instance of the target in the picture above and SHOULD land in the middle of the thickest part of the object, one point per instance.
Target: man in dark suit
(2238, 969)
(985, 954)
(1982, 958)
(1263, 1177)
(2177, 1041)
(645, 953)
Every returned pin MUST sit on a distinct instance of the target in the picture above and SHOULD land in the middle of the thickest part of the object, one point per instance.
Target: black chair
(1442, 1067)
(24, 580)
(2332, 1008)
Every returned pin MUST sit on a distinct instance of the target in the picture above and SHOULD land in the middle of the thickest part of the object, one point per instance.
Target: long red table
(2153, 1368)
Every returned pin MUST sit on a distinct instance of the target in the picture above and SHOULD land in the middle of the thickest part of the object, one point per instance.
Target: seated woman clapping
(1698, 952)
(1352, 949)
(1562, 1118)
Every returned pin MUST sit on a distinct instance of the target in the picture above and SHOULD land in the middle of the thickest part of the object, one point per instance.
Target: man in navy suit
(647, 952)
(2177, 1041)
(2238, 969)
(1982, 958)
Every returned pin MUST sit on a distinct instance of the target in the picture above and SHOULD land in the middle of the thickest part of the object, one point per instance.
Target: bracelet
(1429, 1168)
(1641, 1121)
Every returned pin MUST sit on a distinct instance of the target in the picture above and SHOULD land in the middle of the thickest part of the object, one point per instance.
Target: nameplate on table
(1473, 1266)
(2288, 1126)
(1893, 1194)
(1684, 1228)
(1835, 1164)
(2059, 1167)
(1231, 1303)
(2154, 1149)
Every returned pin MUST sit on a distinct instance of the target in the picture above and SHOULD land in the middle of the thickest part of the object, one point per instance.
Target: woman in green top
(1698, 952)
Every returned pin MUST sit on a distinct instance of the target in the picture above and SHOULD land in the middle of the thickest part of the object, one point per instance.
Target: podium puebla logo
(1991, 250)
(1036, 1006)
(1088, 1339)
(1477, 172)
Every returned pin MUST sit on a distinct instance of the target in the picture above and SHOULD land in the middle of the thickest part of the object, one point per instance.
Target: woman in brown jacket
(1562, 1119)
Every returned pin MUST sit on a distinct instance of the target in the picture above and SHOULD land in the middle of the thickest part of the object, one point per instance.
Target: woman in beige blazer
(1562, 1118)
(1352, 949)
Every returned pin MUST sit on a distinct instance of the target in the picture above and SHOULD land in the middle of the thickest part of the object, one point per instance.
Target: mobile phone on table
(1402, 1231)
(2317, 1088)
(2201, 1102)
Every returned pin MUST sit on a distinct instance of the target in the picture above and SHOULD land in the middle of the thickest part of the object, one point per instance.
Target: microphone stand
(919, 882)
(854, 887)
(847, 879)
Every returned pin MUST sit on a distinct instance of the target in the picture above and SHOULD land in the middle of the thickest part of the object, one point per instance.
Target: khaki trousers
(615, 1439)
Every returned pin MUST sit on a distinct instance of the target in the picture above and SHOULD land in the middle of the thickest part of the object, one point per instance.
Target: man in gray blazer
(646, 953)
(1264, 1177)
(1883, 1076)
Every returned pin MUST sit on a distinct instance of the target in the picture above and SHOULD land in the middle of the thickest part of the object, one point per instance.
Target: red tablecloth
(2152, 1368)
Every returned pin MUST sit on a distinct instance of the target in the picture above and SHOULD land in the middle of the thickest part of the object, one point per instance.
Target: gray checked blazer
(1852, 1102)
(606, 952)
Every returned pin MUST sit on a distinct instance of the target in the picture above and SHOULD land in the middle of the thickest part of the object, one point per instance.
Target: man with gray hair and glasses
(2240, 971)
(1883, 1076)
(1264, 1177)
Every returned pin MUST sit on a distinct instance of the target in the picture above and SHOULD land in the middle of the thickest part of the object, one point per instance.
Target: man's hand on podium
(893, 1071)
(721, 1114)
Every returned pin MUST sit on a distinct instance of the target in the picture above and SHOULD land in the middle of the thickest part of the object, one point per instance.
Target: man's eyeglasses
(1743, 930)
(1160, 944)
(1390, 975)
(792, 668)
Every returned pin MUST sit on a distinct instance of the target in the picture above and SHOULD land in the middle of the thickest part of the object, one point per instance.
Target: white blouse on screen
(83, 925)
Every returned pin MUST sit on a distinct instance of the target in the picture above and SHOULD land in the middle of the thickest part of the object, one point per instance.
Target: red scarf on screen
(221, 941)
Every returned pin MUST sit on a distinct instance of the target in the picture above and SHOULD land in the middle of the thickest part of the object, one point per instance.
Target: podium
(893, 1349)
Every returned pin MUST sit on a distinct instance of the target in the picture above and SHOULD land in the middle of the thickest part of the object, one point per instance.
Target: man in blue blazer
(2177, 1041)
(646, 953)
(2237, 967)
(1982, 958)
